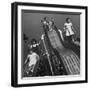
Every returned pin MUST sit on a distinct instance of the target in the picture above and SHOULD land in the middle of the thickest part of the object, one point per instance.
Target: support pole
(47, 55)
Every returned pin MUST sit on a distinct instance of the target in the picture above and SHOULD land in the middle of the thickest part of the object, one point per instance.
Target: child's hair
(67, 19)
(45, 18)
(33, 40)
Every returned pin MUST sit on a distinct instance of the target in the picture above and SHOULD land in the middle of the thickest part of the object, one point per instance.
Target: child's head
(68, 20)
(33, 41)
(51, 23)
(30, 51)
(45, 18)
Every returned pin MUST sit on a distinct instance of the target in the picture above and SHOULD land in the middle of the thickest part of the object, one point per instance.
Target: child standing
(68, 28)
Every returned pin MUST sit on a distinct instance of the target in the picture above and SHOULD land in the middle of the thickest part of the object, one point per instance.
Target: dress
(68, 29)
(33, 58)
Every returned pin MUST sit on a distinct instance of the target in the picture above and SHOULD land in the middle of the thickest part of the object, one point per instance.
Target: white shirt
(33, 58)
(34, 45)
(68, 29)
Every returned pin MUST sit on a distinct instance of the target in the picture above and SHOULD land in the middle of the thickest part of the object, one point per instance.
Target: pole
(47, 55)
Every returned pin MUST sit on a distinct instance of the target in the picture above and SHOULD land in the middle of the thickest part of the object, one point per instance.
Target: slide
(69, 58)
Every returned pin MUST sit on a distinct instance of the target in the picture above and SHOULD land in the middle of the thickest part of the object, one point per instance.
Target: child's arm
(73, 29)
(64, 28)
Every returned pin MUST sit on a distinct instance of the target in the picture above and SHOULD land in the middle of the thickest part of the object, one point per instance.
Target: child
(32, 59)
(35, 46)
(68, 28)
(45, 21)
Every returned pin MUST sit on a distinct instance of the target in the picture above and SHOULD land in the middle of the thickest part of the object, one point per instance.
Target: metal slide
(70, 60)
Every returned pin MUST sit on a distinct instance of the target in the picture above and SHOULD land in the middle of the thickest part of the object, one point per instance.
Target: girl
(68, 28)
(32, 59)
